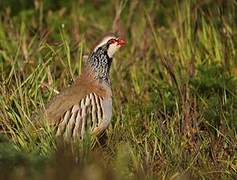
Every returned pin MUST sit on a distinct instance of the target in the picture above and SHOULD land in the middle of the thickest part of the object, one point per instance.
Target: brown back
(72, 95)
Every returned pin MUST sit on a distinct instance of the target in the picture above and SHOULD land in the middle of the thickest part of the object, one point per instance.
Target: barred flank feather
(87, 115)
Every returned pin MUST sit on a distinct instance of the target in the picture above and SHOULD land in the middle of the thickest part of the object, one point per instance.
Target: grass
(174, 87)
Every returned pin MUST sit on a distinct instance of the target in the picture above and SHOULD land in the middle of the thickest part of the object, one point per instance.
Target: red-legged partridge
(86, 106)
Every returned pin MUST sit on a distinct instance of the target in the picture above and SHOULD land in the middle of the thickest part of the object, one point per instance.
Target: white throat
(112, 49)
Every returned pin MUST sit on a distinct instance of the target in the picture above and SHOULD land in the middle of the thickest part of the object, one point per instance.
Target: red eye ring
(119, 41)
(113, 41)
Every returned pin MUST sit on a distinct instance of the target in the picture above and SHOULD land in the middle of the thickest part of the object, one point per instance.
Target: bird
(86, 105)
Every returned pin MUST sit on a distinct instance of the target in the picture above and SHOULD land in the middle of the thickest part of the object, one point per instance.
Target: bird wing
(62, 102)
(70, 101)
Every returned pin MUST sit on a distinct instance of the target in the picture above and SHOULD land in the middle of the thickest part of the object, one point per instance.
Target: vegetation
(174, 87)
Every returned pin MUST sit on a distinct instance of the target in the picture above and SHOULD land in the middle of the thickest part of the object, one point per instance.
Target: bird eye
(112, 41)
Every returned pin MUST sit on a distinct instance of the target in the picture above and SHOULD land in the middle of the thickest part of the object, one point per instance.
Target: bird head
(112, 44)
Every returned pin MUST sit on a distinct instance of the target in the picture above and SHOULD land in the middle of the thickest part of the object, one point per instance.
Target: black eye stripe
(112, 41)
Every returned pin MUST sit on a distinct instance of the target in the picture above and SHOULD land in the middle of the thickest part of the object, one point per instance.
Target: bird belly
(107, 105)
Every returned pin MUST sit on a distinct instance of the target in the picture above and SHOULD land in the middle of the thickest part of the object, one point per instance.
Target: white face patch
(112, 47)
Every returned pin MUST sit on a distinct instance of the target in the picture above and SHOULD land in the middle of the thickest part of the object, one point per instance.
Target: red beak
(121, 42)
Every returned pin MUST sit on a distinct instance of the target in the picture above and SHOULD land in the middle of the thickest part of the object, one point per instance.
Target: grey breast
(90, 114)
